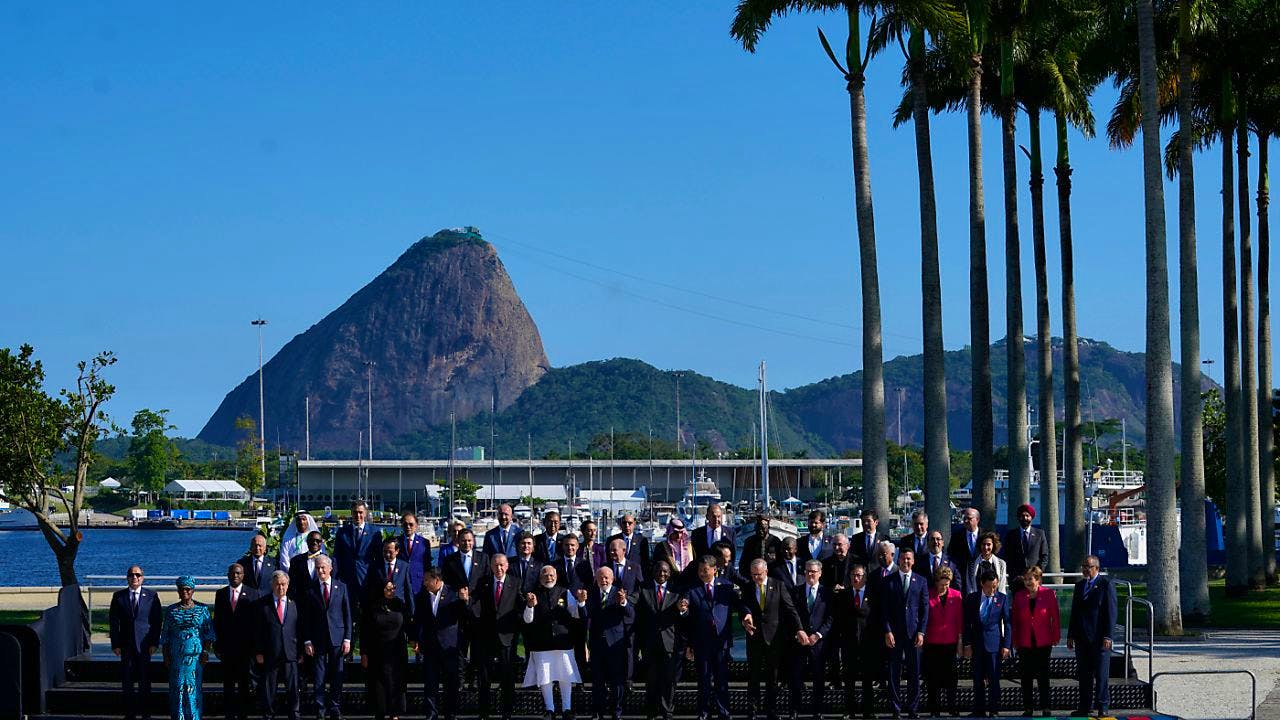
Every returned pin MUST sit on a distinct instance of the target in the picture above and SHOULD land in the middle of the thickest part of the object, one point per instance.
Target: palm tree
(750, 21)
(1162, 540)
(1266, 124)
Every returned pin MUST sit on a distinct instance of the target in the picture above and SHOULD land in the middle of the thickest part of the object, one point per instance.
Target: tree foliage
(152, 454)
(248, 455)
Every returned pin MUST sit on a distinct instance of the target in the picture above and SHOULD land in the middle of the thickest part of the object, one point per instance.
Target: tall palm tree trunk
(937, 455)
(984, 489)
(1015, 352)
(1266, 440)
(1237, 535)
(1248, 361)
(875, 469)
(1162, 536)
(1044, 353)
(1072, 541)
(1193, 576)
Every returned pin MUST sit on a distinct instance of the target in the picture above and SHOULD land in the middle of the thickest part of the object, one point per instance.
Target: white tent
(207, 490)
(110, 483)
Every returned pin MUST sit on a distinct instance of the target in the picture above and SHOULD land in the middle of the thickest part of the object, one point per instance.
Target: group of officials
(885, 614)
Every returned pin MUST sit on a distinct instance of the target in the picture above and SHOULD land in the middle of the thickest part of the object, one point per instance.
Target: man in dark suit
(277, 647)
(760, 545)
(391, 569)
(610, 616)
(466, 567)
(501, 540)
(917, 541)
(635, 545)
(523, 566)
(836, 567)
(1024, 547)
(546, 547)
(626, 574)
(816, 610)
(861, 636)
(413, 549)
(815, 545)
(713, 532)
(661, 643)
(905, 608)
(498, 606)
(770, 620)
(987, 639)
(963, 547)
(134, 620)
(862, 546)
(1093, 619)
(789, 568)
(234, 623)
(571, 573)
(928, 564)
(707, 609)
(257, 566)
(328, 636)
(438, 641)
(357, 548)
(302, 567)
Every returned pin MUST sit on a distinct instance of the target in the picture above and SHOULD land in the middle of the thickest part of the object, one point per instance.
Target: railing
(116, 584)
(1150, 650)
(1253, 687)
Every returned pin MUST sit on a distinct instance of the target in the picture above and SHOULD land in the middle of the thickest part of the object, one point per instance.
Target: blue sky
(173, 172)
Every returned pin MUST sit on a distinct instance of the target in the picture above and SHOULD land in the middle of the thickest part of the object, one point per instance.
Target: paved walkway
(1216, 697)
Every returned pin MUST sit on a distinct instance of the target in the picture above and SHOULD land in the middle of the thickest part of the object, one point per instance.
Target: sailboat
(780, 525)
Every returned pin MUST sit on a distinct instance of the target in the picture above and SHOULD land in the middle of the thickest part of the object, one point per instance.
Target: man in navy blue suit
(813, 602)
(546, 547)
(391, 569)
(928, 564)
(815, 545)
(788, 568)
(1093, 617)
(502, 539)
(987, 638)
(711, 533)
(918, 539)
(134, 620)
(328, 636)
(234, 623)
(571, 573)
(524, 566)
(278, 645)
(438, 641)
(707, 609)
(414, 549)
(257, 566)
(626, 574)
(904, 605)
(357, 547)
(610, 615)
(635, 544)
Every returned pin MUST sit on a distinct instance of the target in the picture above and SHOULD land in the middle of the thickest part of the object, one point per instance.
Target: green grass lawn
(26, 617)
(1256, 610)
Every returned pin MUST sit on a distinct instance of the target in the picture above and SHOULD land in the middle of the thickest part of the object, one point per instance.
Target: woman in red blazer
(1036, 629)
(942, 640)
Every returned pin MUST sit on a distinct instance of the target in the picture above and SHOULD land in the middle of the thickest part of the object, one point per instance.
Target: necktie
(234, 597)
(388, 571)
(709, 595)
(619, 573)
(661, 595)
(497, 594)
(986, 608)
(326, 594)
(813, 596)
(628, 537)
(857, 599)
(870, 541)
(972, 541)
(466, 564)
(792, 565)
(257, 570)
(551, 548)
(934, 561)
(280, 609)
(135, 603)
(762, 597)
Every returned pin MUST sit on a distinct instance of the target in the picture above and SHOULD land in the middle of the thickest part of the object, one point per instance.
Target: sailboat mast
(764, 444)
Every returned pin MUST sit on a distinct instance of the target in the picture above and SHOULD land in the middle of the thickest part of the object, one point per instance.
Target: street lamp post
(262, 415)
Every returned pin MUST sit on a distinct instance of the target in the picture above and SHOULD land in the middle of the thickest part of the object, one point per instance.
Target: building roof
(109, 482)
(517, 491)
(204, 486)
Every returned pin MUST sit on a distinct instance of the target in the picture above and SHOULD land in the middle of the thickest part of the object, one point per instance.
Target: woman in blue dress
(185, 638)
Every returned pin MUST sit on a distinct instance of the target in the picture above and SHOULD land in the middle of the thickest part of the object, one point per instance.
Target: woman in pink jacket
(1036, 629)
(942, 640)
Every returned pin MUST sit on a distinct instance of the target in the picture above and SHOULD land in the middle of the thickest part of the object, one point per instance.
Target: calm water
(27, 559)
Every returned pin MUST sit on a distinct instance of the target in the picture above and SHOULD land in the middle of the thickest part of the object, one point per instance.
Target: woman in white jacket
(988, 546)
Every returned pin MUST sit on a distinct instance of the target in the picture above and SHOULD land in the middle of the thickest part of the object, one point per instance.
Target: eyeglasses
(313, 541)
(133, 575)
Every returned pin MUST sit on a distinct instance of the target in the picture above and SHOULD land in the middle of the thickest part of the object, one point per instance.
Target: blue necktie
(466, 565)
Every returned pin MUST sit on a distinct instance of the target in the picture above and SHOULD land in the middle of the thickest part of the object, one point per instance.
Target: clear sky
(172, 172)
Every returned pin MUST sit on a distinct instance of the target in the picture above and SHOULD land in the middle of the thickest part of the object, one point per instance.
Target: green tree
(249, 455)
(34, 427)
(152, 454)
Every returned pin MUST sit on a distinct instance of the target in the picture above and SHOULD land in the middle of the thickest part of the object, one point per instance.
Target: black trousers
(1095, 667)
(861, 660)
(497, 663)
(809, 664)
(237, 697)
(441, 667)
(135, 683)
(713, 681)
(609, 667)
(662, 674)
(940, 675)
(282, 673)
(327, 666)
(762, 667)
(1033, 666)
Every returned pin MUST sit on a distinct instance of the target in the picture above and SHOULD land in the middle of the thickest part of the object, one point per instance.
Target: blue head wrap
(187, 581)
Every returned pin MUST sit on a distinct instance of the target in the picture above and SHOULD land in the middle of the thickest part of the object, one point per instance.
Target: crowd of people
(886, 615)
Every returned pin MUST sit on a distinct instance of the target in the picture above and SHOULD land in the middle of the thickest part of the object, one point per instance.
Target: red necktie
(660, 596)
(497, 595)
(326, 594)
(857, 598)
(389, 576)
(233, 600)
(280, 610)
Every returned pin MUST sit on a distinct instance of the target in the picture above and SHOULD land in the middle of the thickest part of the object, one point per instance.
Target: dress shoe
(549, 715)
(913, 715)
